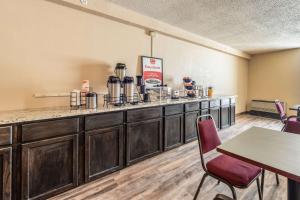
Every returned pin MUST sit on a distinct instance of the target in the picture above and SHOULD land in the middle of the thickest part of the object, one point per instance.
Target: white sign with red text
(152, 71)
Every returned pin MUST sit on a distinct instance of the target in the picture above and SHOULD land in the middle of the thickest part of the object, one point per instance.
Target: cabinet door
(215, 112)
(173, 131)
(143, 140)
(232, 114)
(103, 152)
(204, 112)
(5, 169)
(49, 167)
(190, 129)
(225, 117)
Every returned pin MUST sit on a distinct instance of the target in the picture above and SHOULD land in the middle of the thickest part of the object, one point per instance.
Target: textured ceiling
(253, 26)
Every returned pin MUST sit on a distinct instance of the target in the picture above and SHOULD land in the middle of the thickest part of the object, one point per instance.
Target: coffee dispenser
(129, 87)
(120, 71)
(114, 90)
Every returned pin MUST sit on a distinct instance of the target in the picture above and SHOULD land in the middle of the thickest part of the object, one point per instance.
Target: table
(271, 150)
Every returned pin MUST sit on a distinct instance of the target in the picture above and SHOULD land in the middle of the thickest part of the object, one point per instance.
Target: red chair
(282, 114)
(231, 171)
(292, 126)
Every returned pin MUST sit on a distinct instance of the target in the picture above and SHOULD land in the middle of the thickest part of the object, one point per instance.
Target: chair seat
(236, 172)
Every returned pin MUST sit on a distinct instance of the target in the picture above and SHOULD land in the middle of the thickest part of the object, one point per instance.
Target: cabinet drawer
(214, 103)
(204, 105)
(144, 114)
(5, 135)
(225, 102)
(48, 129)
(174, 109)
(232, 100)
(188, 107)
(103, 120)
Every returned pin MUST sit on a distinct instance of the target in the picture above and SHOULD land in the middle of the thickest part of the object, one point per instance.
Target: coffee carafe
(114, 90)
(129, 89)
(120, 71)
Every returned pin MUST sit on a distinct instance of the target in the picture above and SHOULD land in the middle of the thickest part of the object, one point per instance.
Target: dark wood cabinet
(49, 167)
(6, 173)
(143, 140)
(232, 114)
(215, 113)
(173, 131)
(190, 129)
(204, 112)
(225, 116)
(103, 151)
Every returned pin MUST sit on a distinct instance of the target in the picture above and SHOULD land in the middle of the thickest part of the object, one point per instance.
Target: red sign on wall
(152, 71)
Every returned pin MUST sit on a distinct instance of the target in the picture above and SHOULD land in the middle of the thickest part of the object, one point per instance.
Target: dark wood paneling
(49, 167)
(190, 129)
(225, 117)
(232, 114)
(103, 120)
(49, 129)
(174, 109)
(103, 152)
(6, 173)
(5, 135)
(204, 105)
(144, 114)
(143, 139)
(204, 112)
(215, 113)
(188, 107)
(173, 131)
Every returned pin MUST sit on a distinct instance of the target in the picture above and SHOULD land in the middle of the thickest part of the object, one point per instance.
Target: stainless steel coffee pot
(114, 90)
(129, 89)
(120, 71)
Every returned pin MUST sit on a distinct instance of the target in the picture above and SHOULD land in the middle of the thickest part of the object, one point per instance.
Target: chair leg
(259, 189)
(277, 179)
(200, 185)
(219, 182)
(262, 181)
(233, 192)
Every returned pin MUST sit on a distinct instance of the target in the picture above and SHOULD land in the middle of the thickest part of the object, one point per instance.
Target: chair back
(292, 127)
(280, 110)
(207, 134)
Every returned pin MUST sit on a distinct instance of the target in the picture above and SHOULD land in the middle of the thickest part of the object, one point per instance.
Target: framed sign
(152, 71)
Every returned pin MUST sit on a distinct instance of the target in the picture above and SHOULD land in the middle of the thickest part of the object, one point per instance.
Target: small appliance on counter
(114, 91)
(129, 90)
(91, 100)
(120, 71)
(121, 88)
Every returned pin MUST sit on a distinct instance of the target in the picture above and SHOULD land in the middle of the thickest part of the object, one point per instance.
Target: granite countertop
(28, 115)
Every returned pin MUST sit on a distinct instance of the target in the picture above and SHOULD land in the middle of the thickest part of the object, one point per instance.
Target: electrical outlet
(84, 2)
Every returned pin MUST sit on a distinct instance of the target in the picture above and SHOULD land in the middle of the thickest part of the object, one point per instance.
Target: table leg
(293, 190)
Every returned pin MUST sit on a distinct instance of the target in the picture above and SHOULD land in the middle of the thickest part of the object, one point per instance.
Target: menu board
(152, 71)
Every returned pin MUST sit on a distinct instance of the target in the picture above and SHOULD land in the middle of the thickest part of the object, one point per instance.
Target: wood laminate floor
(176, 174)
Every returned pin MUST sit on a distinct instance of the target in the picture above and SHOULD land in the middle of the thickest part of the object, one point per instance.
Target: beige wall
(275, 76)
(49, 48)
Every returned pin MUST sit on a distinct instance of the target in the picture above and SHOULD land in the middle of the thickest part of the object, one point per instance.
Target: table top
(272, 150)
(295, 107)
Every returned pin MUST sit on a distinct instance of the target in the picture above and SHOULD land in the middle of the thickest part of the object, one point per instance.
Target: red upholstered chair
(292, 126)
(231, 171)
(282, 114)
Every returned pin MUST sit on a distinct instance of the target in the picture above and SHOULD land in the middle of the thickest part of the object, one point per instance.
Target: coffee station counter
(30, 115)
(48, 151)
